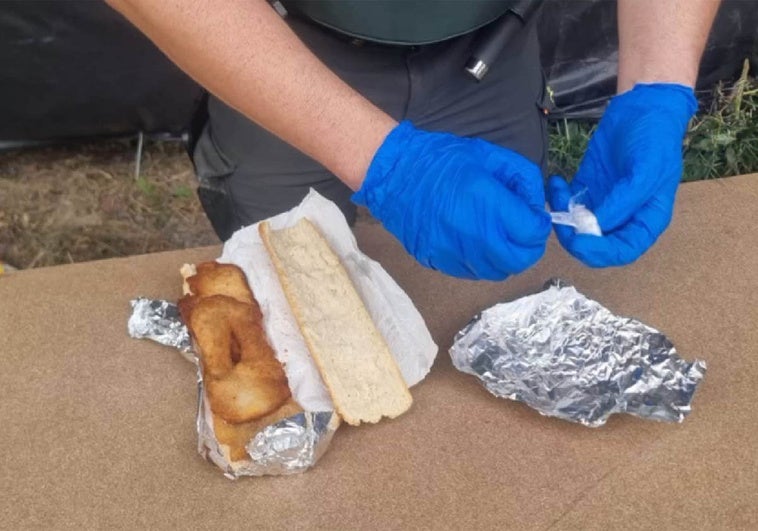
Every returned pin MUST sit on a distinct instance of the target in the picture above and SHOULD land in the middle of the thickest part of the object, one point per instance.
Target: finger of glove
(522, 176)
(634, 189)
(592, 180)
(459, 248)
(497, 257)
(626, 244)
(463, 258)
(519, 222)
(487, 243)
(455, 268)
(559, 195)
(478, 267)
(514, 259)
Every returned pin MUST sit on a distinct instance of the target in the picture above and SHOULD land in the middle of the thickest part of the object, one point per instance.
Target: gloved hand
(462, 206)
(630, 172)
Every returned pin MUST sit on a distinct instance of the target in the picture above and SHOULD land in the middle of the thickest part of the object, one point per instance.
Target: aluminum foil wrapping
(567, 356)
(160, 321)
(289, 446)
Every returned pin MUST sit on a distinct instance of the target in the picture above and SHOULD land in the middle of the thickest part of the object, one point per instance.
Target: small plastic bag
(578, 216)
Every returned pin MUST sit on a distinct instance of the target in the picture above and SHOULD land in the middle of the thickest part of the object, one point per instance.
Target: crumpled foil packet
(289, 446)
(569, 357)
(160, 321)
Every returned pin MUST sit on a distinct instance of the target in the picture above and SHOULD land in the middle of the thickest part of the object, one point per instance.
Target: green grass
(722, 139)
(568, 141)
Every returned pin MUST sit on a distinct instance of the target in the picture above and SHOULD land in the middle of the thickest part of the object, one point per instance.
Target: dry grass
(82, 202)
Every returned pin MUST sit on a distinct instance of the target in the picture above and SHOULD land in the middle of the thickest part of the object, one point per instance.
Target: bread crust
(388, 388)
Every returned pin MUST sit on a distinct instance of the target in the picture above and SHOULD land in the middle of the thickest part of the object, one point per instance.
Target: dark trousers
(247, 174)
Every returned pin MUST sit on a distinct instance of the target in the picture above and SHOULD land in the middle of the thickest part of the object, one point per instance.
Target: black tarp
(580, 51)
(75, 68)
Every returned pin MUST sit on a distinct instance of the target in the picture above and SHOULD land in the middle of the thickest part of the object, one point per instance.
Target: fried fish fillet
(245, 384)
(212, 278)
(243, 379)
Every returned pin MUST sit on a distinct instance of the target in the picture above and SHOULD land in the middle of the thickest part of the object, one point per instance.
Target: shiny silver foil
(160, 321)
(569, 357)
(290, 446)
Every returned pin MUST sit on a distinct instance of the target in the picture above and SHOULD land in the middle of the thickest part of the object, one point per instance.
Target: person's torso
(404, 21)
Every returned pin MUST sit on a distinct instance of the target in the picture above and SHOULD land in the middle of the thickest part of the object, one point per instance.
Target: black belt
(491, 40)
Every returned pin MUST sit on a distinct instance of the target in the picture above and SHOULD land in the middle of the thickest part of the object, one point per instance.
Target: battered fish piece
(212, 278)
(245, 384)
(243, 378)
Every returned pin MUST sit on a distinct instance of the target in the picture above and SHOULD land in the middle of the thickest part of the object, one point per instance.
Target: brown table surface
(98, 429)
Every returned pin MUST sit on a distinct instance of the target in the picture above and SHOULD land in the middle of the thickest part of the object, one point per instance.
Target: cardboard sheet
(98, 428)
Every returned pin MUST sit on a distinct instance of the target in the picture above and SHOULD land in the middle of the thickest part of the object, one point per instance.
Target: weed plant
(722, 139)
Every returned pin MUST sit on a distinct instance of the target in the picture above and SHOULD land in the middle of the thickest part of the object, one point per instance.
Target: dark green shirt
(402, 21)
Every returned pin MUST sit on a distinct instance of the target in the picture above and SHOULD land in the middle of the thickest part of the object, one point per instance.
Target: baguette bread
(353, 359)
(244, 383)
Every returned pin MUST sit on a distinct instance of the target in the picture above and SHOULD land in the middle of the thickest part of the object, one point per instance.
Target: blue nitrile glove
(630, 172)
(462, 206)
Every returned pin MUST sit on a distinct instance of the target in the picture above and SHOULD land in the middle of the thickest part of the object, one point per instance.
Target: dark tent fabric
(77, 69)
(580, 51)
